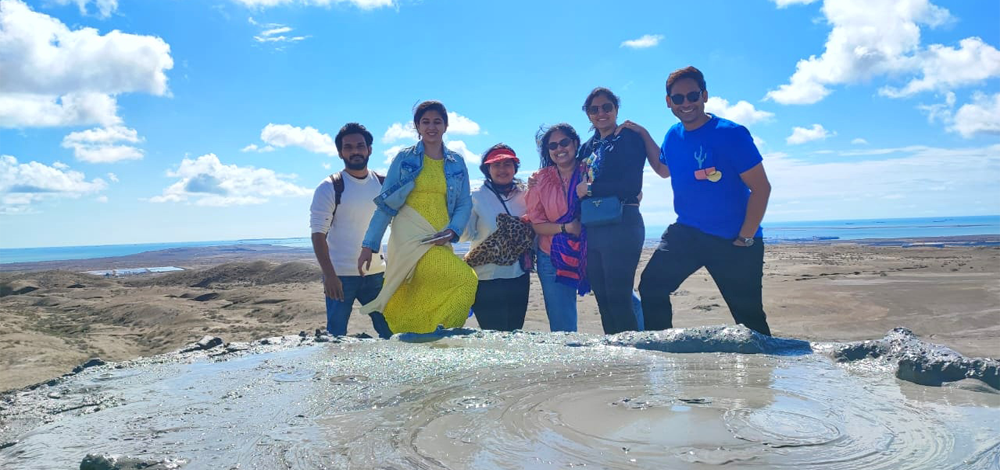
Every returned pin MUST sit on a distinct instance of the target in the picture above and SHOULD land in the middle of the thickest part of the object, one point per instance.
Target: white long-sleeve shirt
(483, 222)
(345, 232)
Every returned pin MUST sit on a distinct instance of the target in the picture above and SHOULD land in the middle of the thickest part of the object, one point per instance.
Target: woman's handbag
(505, 246)
(598, 211)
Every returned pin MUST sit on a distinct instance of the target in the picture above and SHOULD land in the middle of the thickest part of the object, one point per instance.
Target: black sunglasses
(692, 97)
(607, 107)
(562, 143)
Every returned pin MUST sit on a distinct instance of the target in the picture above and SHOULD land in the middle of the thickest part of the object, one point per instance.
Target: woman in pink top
(553, 209)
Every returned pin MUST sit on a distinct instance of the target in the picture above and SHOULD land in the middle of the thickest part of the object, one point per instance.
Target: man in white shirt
(341, 209)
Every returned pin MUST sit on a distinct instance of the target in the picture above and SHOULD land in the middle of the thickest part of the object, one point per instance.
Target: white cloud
(255, 148)
(742, 112)
(646, 41)
(391, 152)
(285, 135)
(457, 125)
(60, 165)
(54, 76)
(873, 38)
(859, 141)
(362, 4)
(208, 182)
(326, 166)
(113, 177)
(104, 145)
(461, 125)
(459, 147)
(72, 109)
(982, 116)
(944, 68)
(102, 199)
(25, 184)
(104, 7)
(801, 135)
(786, 3)
(275, 34)
(399, 131)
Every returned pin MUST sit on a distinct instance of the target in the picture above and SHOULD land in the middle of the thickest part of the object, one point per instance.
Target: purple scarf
(569, 253)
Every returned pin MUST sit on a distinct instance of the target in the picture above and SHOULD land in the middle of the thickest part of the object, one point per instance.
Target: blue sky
(126, 121)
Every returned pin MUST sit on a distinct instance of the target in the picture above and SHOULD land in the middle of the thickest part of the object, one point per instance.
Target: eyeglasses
(566, 142)
(694, 96)
(606, 107)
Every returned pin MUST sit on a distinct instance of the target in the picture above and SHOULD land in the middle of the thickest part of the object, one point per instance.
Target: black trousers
(613, 253)
(737, 272)
(501, 303)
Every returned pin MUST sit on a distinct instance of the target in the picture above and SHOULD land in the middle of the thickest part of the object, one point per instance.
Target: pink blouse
(546, 202)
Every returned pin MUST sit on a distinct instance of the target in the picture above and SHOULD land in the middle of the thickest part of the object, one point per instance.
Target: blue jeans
(560, 299)
(364, 290)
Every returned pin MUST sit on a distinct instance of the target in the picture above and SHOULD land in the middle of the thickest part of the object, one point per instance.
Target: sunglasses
(566, 142)
(692, 97)
(606, 107)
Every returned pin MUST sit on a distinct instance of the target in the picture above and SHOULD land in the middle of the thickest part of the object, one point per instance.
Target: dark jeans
(612, 257)
(364, 290)
(501, 303)
(737, 272)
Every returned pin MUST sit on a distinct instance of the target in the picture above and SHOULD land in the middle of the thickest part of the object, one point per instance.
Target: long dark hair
(542, 140)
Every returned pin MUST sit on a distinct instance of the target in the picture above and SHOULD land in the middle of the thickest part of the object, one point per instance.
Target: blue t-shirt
(715, 204)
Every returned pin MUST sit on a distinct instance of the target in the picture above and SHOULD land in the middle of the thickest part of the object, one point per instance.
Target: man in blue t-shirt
(720, 195)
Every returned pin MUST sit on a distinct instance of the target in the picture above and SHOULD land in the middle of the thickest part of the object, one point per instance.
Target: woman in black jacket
(615, 159)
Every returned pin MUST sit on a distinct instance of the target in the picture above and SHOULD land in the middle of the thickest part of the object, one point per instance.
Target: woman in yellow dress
(426, 197)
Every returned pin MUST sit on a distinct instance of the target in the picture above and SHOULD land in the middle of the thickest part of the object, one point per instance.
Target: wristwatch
(589, 194)
(562, 228)
(746, 241)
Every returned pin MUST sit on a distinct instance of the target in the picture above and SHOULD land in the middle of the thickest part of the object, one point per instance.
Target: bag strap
(338, 187)
(490, 186)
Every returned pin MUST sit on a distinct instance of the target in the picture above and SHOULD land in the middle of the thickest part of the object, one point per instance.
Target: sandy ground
(52, 320)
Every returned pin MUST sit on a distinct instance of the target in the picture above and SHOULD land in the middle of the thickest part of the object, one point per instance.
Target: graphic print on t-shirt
(702, 173)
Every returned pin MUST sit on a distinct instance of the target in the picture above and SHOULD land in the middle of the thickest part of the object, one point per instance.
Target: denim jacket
(399, 182)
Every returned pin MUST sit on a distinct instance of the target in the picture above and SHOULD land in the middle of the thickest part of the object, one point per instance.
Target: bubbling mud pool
(473, 399)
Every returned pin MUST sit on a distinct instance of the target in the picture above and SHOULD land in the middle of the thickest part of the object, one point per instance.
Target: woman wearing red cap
(502, 295)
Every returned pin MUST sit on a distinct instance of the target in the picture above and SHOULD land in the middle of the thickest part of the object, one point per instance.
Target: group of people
(582, 207)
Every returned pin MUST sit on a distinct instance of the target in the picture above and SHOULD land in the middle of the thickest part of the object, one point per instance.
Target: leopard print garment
(504, 246)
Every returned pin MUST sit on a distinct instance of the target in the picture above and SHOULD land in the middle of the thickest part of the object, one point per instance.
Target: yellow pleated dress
(443, 286)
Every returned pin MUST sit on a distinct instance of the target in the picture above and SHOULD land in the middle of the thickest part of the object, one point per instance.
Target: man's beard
(350, 165)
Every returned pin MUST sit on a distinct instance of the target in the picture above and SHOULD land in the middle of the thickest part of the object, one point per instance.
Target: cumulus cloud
(859, 141)
(873, 38)
(457, 125)
(742, 112)
(104, 145)
(55, 76)
(399, 131)
(646, 41)
(801, 135)
(104, 7)
(23, 185)
(285, 135)
(362, 4)
(981, 117)
(113, 177)
(459, 147)
(208, 182)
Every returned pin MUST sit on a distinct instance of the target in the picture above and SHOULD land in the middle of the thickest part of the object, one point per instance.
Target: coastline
(53, 317)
